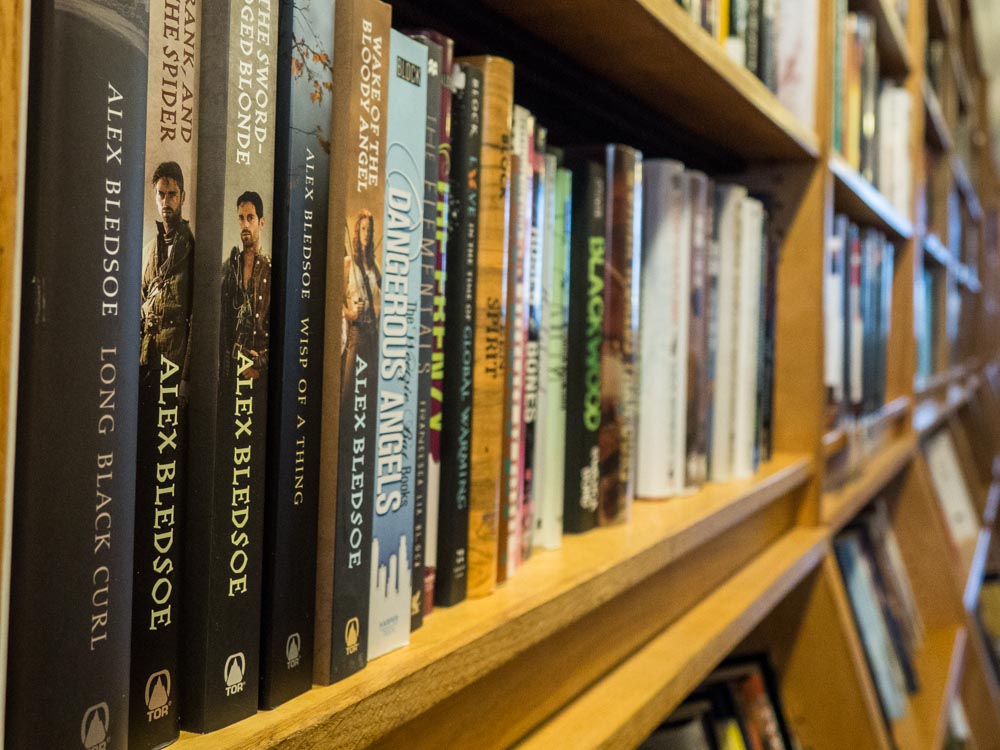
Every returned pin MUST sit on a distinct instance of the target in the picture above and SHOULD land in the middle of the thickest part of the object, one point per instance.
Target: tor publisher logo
(352, 631)
(158, 695)
(236, 667)
(293, 650)
(94, 727)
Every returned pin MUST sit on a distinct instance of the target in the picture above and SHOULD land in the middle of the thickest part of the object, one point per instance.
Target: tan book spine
(488, 377)
(360, 80)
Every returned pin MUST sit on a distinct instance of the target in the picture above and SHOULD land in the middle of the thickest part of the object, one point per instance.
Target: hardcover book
(587, 258)
(75, 460)
(168, 252)
(398, 345)
(230, 356)
(428, 263)
(302, 190)
(490, 329)
(700, 193)
(459, 336)
(350, 343)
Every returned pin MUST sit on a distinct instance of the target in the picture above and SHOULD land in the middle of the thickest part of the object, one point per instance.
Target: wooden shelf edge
(977, 566)
(931, 413)
(937, 250)
(863, 202)
(659, 675)
(939, 667)
(550, 592)
(937, 127)
(968, 190)
(834, 442)
(678, 52)
(838, 507)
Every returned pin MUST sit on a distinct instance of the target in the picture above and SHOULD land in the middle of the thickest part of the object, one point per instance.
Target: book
(796, 48)
(729, 201)
(230, 356)
(616, 438)
(459, 338)
(747, 331)
(550, 448)
(302, 197)
(532, 344)
(391, 587)
(952, 489)
(490, 332)
(587, 259)
(168, 250)
(701, 200)
(657, 451)
(444, 126)
(78, 372)
(350, 349)
(428, 255)
(512, 481)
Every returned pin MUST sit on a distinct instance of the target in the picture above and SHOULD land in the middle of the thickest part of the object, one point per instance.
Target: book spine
(621, 318)
(747, 330)
(164, 370)
(230, 355)
(519, 223)
(551, 431)
(753, 36)
(71, 561)
(302, 195)
(438, 330)
(840, 15)
(533, 305)
(459, 336)
(586, 317)
(701, 225)
(428, 255)
(398, 319)
(679, 280)
(350, 346)
(488, 368)
(655, 431)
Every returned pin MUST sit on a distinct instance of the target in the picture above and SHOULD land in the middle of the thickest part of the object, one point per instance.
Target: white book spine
(730, 199)
(747, 326)
(680, 328)
(659, 204)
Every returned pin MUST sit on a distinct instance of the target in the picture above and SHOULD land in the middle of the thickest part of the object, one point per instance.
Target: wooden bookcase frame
(594, 644)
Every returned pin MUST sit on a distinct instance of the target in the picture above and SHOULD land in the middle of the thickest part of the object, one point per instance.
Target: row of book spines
(871, 116)
(858, 312)
(746, 28)
(708, 281)
(883, 604)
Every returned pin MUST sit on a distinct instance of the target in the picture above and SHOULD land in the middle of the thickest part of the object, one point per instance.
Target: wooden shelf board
(974, 557)
(834, 442)
(931, 412)
(627, 704)
(967, 189)
(938, 663)
(894, 56)
(937, 131)
(940, 19)
(838, 507)
(457, 645)
(864, 203)
(682, 72)
(936, 250)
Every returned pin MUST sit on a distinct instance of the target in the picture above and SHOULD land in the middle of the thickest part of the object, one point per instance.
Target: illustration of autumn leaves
(312, 66)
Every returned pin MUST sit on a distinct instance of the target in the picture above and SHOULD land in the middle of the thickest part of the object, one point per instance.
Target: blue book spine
(399, 333)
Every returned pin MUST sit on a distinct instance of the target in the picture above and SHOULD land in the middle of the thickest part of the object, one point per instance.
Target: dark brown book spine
(618, 381)
(350, 365)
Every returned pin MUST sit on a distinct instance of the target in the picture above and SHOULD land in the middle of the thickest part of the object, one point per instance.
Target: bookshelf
(594, 644)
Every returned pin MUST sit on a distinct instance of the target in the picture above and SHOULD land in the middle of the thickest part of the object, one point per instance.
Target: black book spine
(74, 476)
(586, 316)
(753, 36)
(460, 326)
(230, 354)
(428, 255)
(301, 198)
